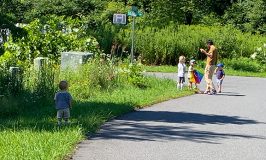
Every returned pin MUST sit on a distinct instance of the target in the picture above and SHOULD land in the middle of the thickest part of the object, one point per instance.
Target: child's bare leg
(59, 121)
(66, 120)
(196, 89)
(178, 86)
(189, 85)
(219, 85)
(181, 81)
(182, 85)
(220, 88)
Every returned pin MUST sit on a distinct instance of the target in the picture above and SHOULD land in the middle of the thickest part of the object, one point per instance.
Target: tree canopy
(247, 15)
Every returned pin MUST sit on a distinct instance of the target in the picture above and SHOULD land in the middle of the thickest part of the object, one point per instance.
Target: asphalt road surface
(226, 126)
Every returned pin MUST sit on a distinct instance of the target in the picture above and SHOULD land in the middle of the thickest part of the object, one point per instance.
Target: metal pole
(132, 36)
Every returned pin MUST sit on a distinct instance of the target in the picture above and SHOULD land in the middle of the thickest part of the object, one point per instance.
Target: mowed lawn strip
(228, 71)
(34, 133)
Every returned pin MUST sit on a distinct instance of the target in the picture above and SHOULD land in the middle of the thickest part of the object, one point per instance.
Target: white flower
(259, 49)
(75, 29)
(253, 56)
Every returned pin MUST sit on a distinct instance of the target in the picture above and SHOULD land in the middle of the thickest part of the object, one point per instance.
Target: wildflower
(75, 29)
(259, 49)
(253, 56)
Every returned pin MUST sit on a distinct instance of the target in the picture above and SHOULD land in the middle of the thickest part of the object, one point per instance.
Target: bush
(260, 54)
(97, 75)
(48, 38)
(244, 64)
(30, 88)
(131, 73)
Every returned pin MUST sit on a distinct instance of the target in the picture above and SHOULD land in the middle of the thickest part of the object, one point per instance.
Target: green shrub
(48, 38)
(4, 80)
(244, 64)
(165, 45)
(39, 85)
(10, 84)
(131, 73)
(96, 75)
(99, 75)
(260, 54)
(10, 106)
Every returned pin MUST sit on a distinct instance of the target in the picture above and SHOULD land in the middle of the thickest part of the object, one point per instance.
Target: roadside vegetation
(108, 85)
(101, 91)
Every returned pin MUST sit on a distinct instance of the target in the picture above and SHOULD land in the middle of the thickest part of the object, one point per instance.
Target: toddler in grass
(219, 71)
(63, 102)
(181, 72)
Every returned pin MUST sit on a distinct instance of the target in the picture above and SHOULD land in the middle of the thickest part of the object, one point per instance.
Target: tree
(252, 20)
(11, 12)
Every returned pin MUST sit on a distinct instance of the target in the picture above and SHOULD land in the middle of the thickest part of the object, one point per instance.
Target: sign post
(133, 13)
(133, 39)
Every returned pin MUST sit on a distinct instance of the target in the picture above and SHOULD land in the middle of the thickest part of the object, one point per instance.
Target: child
(63, 101)
(190, 74)
(220, 76)
(181, 72)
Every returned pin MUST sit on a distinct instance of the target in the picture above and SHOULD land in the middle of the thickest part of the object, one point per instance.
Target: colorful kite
(197, 76)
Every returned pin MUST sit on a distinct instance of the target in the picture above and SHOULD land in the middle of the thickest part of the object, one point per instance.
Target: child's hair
(182, 59)
(63, 85)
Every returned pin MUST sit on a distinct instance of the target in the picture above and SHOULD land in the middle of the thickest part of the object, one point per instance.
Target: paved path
(228, 126)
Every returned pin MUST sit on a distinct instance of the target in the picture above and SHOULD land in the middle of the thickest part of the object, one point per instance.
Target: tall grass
(165, 45)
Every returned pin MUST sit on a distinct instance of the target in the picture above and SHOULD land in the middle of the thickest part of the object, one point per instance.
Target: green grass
(43, 144)
(33, 134)
(228, 71)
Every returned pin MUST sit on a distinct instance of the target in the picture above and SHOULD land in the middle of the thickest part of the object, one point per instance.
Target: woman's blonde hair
(182, 59)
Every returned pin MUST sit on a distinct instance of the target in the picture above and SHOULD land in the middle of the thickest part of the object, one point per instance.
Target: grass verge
(228, 71)
(33, 134)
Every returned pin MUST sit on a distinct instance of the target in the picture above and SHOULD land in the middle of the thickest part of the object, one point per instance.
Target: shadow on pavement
(167, 126)
(234, 94)
(185, 117)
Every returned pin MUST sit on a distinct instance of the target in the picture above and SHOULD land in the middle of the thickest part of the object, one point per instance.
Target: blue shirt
(62, 100)
(220, 74)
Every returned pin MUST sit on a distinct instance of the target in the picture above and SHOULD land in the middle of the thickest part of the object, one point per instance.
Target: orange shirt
(212, 60)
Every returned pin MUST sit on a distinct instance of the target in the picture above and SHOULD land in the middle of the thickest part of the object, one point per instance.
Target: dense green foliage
(166, 45)
(219, 20)
(248, 15)
(48, 37)
(157, 12)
